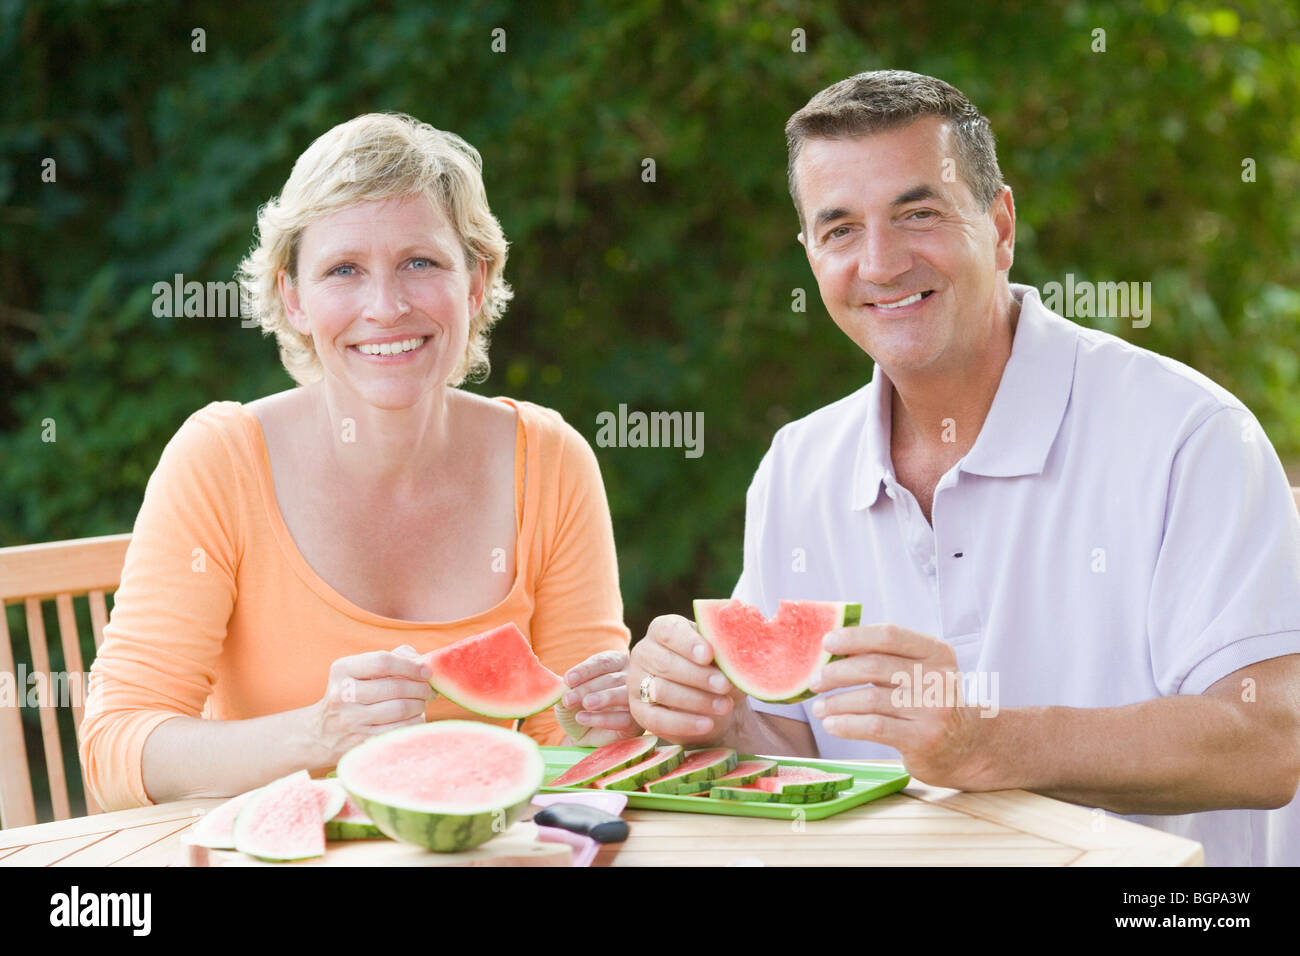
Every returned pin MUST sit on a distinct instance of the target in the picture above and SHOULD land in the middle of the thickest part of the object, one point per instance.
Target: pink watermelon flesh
(495, 674)
(606, 759)
(282, 821)
(417, 767)
(772, 660)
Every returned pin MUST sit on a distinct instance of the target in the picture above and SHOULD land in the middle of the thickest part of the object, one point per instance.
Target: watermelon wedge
(663, 760)
(789, 780)
(772, 660)
(282, 821)
(344, 820)
(216, 828)
(495, 674)
(699, 765)
(746, 772)
(606, 759)
(446, 786)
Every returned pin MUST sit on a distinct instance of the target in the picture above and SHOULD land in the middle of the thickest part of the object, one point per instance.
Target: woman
(282, 546)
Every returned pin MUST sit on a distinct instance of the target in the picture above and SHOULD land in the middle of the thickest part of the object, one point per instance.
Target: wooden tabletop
(920, 826)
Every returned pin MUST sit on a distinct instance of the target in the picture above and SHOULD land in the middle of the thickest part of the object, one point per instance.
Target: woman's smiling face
(387, 276)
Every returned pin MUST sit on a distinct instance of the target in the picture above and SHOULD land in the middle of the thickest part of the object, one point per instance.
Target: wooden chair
(31, 574)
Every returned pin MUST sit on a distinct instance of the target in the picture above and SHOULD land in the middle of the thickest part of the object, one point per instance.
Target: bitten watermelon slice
(606, 759)
(495, 674)
(663, 760)
(772, 660)
(447, 786)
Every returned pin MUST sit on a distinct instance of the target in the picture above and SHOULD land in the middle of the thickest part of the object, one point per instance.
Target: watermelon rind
(664, 760)
(746, 772)
(848, 615)
(740, 793)
(337, 829)
(725, 762)
(443, 827)
(463, 696)
(767, 796)
(599, 763)
(266, 801)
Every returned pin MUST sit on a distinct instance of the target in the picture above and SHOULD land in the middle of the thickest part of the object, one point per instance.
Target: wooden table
(920, 826)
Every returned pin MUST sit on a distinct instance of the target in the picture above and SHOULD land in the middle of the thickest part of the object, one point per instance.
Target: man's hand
(693, 702)
(926, 720)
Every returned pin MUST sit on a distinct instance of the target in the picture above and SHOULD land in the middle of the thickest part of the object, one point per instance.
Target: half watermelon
(446, 786)
(495, 674)
(772, 660)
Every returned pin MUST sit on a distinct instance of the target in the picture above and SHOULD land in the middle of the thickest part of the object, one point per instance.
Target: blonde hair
(375, 156)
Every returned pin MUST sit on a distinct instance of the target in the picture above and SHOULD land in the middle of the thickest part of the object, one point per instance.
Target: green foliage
(667, 295)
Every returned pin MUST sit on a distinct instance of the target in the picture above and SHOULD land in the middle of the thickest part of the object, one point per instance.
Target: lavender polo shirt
(1121, 530)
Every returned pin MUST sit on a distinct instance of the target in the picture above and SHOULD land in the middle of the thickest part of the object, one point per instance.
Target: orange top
(219, 615)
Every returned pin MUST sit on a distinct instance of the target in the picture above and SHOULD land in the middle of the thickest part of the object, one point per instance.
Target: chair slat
(49, 715)
(71, 642)
(98, 616)
(17, 806)
(45, 570)
(76, 676)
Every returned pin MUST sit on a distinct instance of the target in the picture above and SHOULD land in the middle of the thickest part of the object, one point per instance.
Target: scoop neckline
(309, 575)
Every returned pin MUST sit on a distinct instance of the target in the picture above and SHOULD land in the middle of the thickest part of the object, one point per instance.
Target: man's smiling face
(907, 263)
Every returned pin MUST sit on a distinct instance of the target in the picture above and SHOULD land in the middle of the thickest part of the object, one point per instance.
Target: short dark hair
(887, 99)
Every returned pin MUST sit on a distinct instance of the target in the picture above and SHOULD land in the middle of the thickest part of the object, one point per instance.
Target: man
(1103, 536)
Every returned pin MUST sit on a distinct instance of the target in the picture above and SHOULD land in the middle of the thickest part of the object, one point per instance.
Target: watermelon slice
(788, 780)
(216, 828)
(699, 765)
(746, 772)
(606, 759)
(772, 660)
(663, 760)
(446, 786)
(495, 674)
(282, 821)
(348, 821)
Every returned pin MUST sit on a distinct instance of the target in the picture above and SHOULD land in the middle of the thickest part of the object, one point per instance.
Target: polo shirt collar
(1023, 420)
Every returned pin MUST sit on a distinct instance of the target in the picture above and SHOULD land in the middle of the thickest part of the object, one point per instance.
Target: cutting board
(518, 846)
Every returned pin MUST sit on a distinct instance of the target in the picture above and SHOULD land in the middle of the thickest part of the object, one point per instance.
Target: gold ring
(647, 690)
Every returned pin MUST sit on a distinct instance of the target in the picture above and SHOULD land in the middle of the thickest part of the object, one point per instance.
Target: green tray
(870, 782)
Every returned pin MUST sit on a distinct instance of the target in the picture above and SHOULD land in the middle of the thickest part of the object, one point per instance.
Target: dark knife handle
(578, 818)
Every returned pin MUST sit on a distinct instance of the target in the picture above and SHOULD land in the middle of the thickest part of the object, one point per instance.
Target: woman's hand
(594, 711)
(691, 701)
(369, 694)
